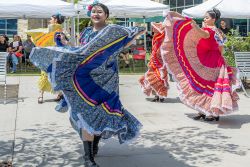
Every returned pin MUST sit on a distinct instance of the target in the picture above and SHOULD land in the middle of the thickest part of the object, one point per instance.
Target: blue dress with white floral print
(88, 78)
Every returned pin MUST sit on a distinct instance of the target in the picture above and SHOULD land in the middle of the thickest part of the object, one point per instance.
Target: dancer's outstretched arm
(175, 14)
(202, 33)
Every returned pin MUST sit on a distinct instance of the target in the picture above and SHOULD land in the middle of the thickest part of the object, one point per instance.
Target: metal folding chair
(242, 61)
(3, 69)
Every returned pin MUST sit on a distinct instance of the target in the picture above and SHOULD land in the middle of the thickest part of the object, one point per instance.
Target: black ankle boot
(212, 119)
(89, 157)
(161, 100)
(217, 118)
(157, 98)
(199, 117)
(95, 144)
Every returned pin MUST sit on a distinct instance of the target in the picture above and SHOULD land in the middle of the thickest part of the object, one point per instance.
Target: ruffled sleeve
(220, 38)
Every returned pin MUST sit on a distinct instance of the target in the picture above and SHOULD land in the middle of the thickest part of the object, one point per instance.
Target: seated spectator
(27, 46)
(15, 51)
(6, 38)
(3, 44)
(224, 29)
(149, 41)
(125, 57)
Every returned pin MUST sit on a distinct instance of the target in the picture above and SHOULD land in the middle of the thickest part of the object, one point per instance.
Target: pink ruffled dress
(204, 79)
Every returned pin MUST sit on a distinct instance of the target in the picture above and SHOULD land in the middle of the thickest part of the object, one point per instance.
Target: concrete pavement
(169, 138)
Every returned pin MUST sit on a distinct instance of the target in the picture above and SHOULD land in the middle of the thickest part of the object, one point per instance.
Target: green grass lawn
(136, 67)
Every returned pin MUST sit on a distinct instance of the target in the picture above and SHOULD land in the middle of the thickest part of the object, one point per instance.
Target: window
(198, 2)
(8, 27)
(241, 26)
(180, 2)
(179, 5)
(12, 24)
(166, 2)
(120, 21)
(172, 4)
(2, 24)
(2, 31)
(189, 2)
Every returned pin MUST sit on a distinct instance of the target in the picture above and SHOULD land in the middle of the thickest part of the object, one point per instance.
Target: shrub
(235, 43)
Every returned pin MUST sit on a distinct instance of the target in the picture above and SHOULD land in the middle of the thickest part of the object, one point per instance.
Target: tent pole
(65, 26)
(247, 26)
(145, 39)
(78, 26)
(72, 33)
(42, 23)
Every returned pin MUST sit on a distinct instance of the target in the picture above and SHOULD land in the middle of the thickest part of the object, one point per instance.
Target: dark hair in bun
(60, 18)
(214, 14)
(104, 8)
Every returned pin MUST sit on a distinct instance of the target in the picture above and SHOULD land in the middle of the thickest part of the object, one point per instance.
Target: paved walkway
(169, 138)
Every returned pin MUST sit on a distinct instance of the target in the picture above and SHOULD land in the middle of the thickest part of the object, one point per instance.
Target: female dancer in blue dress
(88, 78)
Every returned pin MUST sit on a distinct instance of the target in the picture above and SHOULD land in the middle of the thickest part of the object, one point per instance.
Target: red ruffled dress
(155, 80)
(204, 80)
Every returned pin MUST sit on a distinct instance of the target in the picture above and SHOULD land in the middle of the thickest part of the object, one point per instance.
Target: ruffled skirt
(88, 78)
(155, 80)
(205, 89)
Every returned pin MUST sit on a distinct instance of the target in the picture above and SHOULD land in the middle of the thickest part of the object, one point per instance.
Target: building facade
(178, 5)
(11, 27)
(8, 26)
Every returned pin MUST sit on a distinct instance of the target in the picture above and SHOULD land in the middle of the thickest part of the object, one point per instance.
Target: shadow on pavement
(12, 94)
(54, 145)
(13, 100)
(5, 150)
(166, 100)
(233, 121)
(228, 121)
(58, 146)
(49, 145)
(194, 145)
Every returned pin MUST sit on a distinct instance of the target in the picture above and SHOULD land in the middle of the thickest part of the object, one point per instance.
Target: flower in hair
(89, 7)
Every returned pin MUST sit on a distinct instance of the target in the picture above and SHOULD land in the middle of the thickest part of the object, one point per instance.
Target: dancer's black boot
(95, 144)
(156, 99)
(199, 116)
(89, 157)
(212, 119)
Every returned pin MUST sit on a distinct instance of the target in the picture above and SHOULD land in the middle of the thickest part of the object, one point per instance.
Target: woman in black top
(3, 44)
(224, 29)
(15, 49)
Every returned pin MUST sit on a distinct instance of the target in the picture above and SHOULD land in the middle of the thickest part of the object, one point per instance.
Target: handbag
(18, 54)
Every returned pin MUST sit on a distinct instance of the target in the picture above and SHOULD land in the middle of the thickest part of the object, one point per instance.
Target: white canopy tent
(238, 9)
(35, 8)
(128, 8)
(25, 9)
